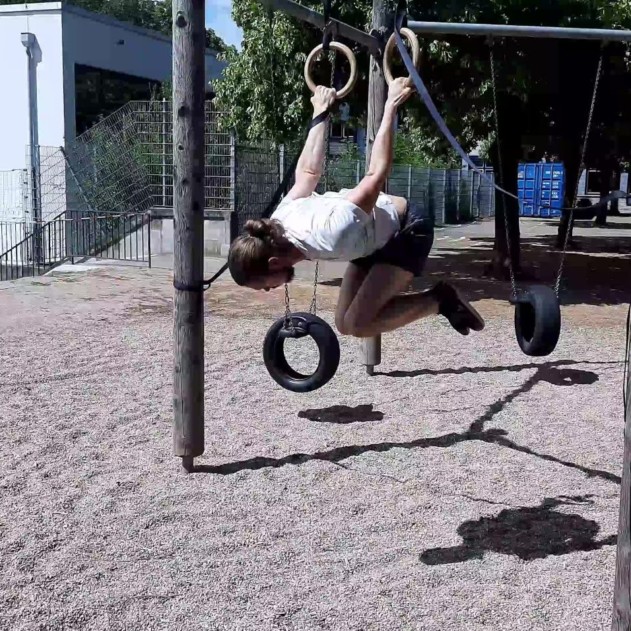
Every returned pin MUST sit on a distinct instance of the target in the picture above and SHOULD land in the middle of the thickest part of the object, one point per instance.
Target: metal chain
(289, 323)
(580, 169)
(314, 299)
(501, 172)
(313, 305)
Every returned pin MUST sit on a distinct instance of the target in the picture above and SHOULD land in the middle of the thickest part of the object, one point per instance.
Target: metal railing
(12, 232)
(122, 237)
(76, 236)
(37, 253)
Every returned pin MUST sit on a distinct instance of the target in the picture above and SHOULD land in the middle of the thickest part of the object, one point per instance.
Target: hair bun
(258, 228)
(269, 230)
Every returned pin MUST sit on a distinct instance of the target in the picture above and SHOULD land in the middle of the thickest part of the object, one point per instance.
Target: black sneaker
(461, 315)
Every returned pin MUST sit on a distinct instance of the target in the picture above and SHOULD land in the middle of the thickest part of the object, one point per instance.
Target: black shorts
(410, 247)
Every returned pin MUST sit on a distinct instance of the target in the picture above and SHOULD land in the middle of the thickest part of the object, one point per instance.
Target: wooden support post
(188, 223)
(377, 94)
(622, 590)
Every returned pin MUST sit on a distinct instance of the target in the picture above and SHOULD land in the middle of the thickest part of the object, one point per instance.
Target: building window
(341, 130)
(101, 92)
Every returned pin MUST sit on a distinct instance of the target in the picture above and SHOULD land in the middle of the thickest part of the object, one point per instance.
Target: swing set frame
(188, 114)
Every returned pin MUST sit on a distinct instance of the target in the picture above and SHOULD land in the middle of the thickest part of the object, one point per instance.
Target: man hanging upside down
(385, 238)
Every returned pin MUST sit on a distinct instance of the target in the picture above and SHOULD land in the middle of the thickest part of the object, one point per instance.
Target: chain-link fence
(449, 195)
(123, 166)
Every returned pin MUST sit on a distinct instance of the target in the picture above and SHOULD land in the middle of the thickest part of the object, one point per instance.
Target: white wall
(86, 38)
(101, 42)
(65, 36)
(14, 110)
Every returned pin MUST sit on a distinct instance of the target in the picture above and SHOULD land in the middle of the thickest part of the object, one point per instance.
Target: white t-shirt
(330, 227)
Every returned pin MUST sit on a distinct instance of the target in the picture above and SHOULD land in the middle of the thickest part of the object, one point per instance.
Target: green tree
(544, 86)
(262, 91)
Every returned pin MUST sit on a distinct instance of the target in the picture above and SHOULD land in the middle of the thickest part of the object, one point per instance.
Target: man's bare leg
(378, 308)
(354, 277)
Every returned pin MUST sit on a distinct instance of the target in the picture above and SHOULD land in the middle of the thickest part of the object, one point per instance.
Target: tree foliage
(545, 84)
(544, 87)
(262, 91)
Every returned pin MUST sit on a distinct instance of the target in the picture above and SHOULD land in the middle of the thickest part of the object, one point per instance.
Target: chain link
(313, 305)
(314, 298)
(501, 172)
(289, 323)
(580, 170)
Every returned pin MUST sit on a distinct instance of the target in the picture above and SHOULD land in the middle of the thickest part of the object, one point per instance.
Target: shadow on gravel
(483, 369)
(546, 372)
(529, 532)
(343, 414)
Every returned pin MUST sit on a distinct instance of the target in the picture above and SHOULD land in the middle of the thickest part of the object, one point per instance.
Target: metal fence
(114, 173)
(151, 124)
(242, 176)
(73, 236)
(450, 196)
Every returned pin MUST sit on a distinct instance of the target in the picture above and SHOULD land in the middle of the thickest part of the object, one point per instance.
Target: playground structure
(188, 212)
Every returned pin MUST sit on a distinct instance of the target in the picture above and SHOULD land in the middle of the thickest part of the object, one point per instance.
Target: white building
(56, 58)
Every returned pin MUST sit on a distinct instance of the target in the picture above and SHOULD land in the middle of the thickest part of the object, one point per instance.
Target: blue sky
(218, 18)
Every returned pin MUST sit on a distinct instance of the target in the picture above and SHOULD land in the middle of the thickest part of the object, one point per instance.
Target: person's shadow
(531, 532)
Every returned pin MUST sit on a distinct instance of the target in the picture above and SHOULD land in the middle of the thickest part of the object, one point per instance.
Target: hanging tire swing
(537, 310)
(537, 320)
(301, 325)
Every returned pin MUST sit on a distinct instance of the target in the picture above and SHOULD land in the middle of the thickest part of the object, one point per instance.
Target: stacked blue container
(541, 188)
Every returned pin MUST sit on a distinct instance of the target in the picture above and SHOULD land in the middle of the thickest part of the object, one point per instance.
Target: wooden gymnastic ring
(390, 47)
(348, 53)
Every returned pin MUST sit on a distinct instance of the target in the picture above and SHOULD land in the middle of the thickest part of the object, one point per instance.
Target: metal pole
(509, 30)
(338, 29)
(188, 218)
(621, 620)
(377, 93)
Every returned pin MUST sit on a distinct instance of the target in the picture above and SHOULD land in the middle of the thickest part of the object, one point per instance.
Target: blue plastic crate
(540, 188)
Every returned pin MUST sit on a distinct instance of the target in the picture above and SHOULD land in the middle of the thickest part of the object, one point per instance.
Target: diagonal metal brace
(334, 27)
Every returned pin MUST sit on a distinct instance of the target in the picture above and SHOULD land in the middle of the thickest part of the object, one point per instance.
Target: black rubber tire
(279, 368)
(537, 321)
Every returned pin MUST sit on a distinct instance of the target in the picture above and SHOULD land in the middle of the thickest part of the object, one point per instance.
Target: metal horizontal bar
(508, 30)
(317, 19)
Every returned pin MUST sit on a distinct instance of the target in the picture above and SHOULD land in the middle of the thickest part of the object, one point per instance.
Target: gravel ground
(463, 487)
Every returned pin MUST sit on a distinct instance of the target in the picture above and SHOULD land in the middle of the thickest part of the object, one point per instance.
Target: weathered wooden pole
(622, 589)
(188, 224)
(382, 18)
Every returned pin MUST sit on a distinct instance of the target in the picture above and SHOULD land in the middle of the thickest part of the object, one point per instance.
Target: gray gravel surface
(464, 487)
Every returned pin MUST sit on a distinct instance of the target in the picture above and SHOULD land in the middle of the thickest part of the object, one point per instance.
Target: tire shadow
(343, 414)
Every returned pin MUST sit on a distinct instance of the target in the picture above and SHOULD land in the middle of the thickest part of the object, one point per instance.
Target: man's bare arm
(366, 193)
(311, 161)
